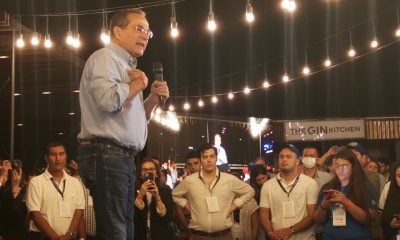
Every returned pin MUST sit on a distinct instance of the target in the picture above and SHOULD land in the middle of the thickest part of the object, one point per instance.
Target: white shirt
(384, 194)
(42, 196)
(304, 192)
(227, 189)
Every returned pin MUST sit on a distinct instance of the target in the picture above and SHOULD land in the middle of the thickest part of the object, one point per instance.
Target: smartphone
(148, 176)
(328, 192)
(397, 216)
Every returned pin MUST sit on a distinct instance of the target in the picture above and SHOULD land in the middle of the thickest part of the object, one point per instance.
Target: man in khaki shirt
(211, 196)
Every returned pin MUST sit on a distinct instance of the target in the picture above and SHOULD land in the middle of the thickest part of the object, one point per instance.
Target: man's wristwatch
(292, 228)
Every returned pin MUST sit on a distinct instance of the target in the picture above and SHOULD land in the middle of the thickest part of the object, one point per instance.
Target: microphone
(158, 75)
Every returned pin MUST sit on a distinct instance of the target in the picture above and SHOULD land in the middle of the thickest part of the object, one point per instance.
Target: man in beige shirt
(211, 196)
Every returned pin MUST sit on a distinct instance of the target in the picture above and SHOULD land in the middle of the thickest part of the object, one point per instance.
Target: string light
(374, 43)
(200, 103)
(246, 90)
(174, 24)
(69, 39)
(289, 5)
(230, 95)
(249, 12)
(105, 33)
(352, 52)
(266, 84)
(47, 40)
(35, 35)
(186, 106)
(20, 41)
(171, 108)
(327, 62)
(211, 24)
(214, 99)
(306, 70)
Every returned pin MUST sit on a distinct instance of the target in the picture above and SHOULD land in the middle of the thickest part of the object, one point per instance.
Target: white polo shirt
(304, 192)
(43, 196)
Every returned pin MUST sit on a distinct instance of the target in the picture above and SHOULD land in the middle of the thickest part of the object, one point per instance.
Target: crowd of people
(332, 196)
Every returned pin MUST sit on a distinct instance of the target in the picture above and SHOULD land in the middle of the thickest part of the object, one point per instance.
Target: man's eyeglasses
(141, 29)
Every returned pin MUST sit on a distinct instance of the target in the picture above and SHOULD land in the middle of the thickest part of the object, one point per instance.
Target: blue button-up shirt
(103, 91)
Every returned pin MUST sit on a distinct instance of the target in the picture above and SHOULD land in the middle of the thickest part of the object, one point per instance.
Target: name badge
(64, 209)
(339, 216)
(288, 209)
(212, 204)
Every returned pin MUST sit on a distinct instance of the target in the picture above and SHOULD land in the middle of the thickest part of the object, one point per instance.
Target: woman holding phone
(347, 202)
(389, 204)
(153, 204)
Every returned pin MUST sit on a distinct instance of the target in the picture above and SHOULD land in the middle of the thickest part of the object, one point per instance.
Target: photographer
(12, 200)
(153, 204)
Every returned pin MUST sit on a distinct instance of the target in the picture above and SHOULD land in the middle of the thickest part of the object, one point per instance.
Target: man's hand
(159, 88)
(284, 233)
(16, 177)
(138, 76)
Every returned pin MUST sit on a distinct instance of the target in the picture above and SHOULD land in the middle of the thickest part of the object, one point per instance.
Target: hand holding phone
(328, 192)
(148, 176)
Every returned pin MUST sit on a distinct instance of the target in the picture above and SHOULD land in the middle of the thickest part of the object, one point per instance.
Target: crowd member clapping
(389, 204)
(153, 204)
(346, 203)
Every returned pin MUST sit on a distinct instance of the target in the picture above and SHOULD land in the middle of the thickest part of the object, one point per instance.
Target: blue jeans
(108, 172)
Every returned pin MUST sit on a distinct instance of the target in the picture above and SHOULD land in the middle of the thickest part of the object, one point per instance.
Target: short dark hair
(121, 18)
(311, 147)
(52, 145)
(205, 147)
(192, 154)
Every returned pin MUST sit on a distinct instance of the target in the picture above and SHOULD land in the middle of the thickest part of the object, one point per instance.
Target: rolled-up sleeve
(243, 190)
(33, 198)
(178, 194)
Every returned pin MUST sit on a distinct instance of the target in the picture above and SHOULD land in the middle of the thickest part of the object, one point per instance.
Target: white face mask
(309, 162)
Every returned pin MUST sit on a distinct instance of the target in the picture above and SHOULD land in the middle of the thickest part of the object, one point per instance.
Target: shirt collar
(280, 179)
(216, 173)
(132, 61)
(48, 176)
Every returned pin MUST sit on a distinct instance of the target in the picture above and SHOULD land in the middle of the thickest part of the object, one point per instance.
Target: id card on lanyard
(288, 209)
(212, 201)
(63, 206)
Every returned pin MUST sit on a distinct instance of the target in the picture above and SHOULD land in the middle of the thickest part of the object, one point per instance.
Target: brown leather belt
(107, 142)
(212, 234)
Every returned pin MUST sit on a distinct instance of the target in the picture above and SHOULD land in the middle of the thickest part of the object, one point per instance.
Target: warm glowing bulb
(351, 52)
(246, 90)
(397, 32)
(171, 108)
(35, 39)
(249, 13)
(214, 99)
(20, 42)
(47, 41)
(327, 62)
(158, 110)
(201, 103)
(105, 36)
(174, 28)
(289, 5)
(374, 43)
(306, 70)
(285, 78)
(265, 84)
(211, 25)
(70, 38)
(76, 43)
(230, 95)
(186, 106)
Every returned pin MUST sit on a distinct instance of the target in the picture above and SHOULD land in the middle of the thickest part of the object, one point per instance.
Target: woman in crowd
(258, 176)
(389, 204)
(346, 203)
(153, 205)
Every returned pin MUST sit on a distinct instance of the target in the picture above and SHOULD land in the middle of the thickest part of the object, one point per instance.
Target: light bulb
(249, 13)
(289, 5)
(397, 33)
(171, 108)
(47, 41)
(374, 43)
(20, 41)
(200, 103)
(70, 38)
(285, 78)
(35, 39)
(186, 106)
(214, 99)
(76, 43)
(246, 90)
(105, 36)
(306, 70)
(230, 95)
(327, 62)
(211, 22)
(265, 84)
(351, 52)
(174, 28)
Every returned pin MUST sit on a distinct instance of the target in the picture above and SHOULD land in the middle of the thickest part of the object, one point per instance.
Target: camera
(148, 176)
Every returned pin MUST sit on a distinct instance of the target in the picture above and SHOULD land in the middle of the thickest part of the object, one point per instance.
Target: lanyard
(219, 175)
(57, 188)
(291, 189)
